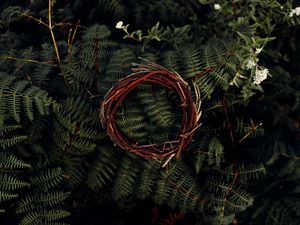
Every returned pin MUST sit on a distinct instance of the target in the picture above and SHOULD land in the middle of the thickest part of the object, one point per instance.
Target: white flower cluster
(250, 64)
(260, 75)
(295, 11)
(217, 6)
(119, 25)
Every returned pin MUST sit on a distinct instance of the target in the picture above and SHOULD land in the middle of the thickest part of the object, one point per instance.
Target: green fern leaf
(118, 67)
(51, 198)
(8, 161)
(103, 168)
(14, 100)
(8, 182)
(114, 7)
(5, 81)
(47, 179)
(125, 179)
(146, 180)
(54, 214)
(31, 218)
(4, 196)
(20, 94)
(132, 123)
(40, 201)
(25, 204)
(157, 107)
(96, 49)
(11, 141)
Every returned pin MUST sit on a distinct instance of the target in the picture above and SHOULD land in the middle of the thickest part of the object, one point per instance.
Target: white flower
(119, 25)
(260, 75)
(217, 6)
(295, 11)
(257, 51)
(250, 64)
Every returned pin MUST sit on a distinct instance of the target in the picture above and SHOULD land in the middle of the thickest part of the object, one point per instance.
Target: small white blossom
(217, 6)
(257, 51)
(119, 25)
(260, 75)
(250, 64)
(295, 11)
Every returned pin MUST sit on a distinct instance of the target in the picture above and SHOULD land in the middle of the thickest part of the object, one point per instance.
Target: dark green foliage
(18, 96)
(118, 67)
(102, 169)
(11, 183)
(132, 122)
(47, 179)
(156, 107)
(9, 161)
(58, 166)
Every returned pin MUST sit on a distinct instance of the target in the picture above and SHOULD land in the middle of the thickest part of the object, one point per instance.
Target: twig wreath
(155, 74)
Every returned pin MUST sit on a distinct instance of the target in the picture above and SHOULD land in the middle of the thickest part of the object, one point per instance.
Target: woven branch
(156, 74)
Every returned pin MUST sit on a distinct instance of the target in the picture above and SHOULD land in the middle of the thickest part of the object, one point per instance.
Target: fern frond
(96, 49)
(25, 204)
(74, 128)
(132, 123)
(39, 125)
(11, 141)
(221, 58)
(125, 179)
(227, 198)
(246, 172)
(171, 60)
(192, 63)
(157, 107)
(47, 179)
(9, 182)
(74, 145)
(238, 200)
(52, 198)
(118, 67)
(10, 14)
(146, 180)
(76, 171)
(41, 200)
(22, 68)
(5, 81)
(19, 95)
(4, 196)
(113, 7)
(177, 187)
(71, 105)
(9, 128)
(31, 218)
(9, 161)
(103, 168)
(54, 214)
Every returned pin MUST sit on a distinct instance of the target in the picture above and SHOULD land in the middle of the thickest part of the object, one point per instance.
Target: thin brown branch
(51, 31)
(26, 60)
